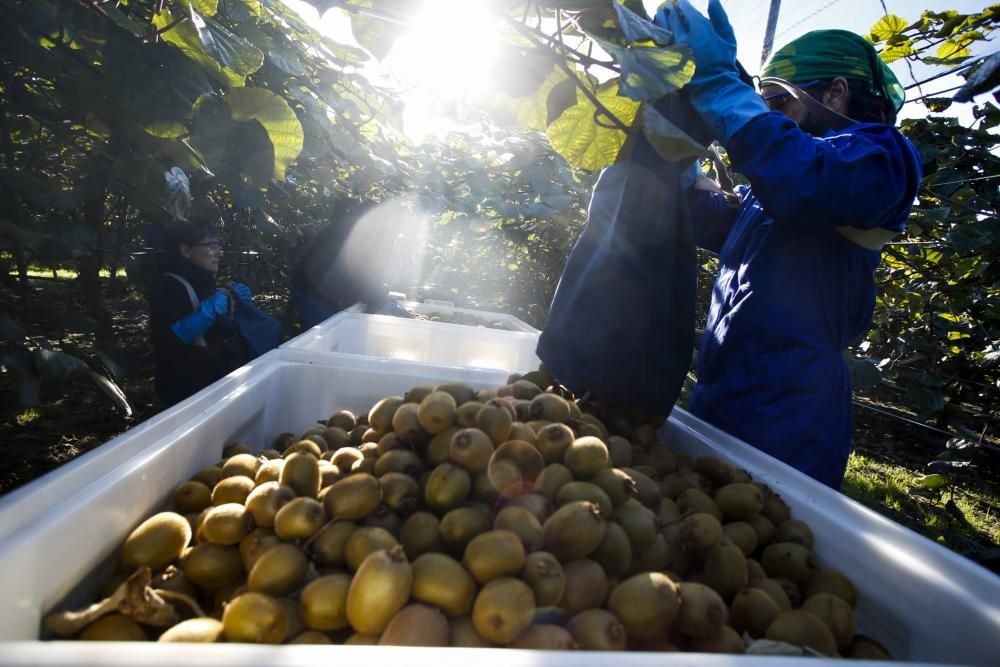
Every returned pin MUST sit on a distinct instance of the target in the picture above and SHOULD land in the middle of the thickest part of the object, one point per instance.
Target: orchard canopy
(122, 115)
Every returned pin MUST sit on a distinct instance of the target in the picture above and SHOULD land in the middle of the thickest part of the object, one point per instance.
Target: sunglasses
(777, 101)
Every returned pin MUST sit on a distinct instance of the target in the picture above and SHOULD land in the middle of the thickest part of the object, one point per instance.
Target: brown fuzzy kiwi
(801, 628)
(156, 542)
(523, 523)
(310, 637)
(552, 478)
(192, 497)
(309, 446)
(586, 456)
(328, 545)
(726, 640)
(226, 524)
(343, 419)
(739, 501)
(437, 411)
(647, 491)
(577, 491)
(692, 501)
(114, 627)
(269, 471)
(420, 534)
(323, 602)
(753, 610)
(702, 612)
(381, 414)
(551, 407)
(654, 558)
(493, 554)
(660, 458)
(513, 464)
(244, 464)
(345, 457)
(279, 570)
(353, 497)
(794, 531)
(460, 525)
(400, 492)
(764, 529)
(698, 533)
(406, 425)
(389, 442)
(537, 503)
(714, 469)
(755, 571)
(364, 541)
(379, 589)
(775, 591)
(494, 419)
(503, 610)
(573, 531)
(521, 431)
(419, 393)
(470, 448)
(399, 460)
(672, 485)
(447, 487)
(301, 472)
(742, 535)
(775, 508)
(834, 583)
(586, 586)
(232, 490)
(254, 618)
(725, 570)
(209, 476)
(545, 637)
(441, 581)
(597, 630)
(837, 615)
(639, 523)
(544, 574)
(791, 561)
(204, 630)
(866, 648)
(461, 392)
(646, 604)
(416, 625)
(465, 414)
(462, 633)
(614, 553)
(617, 484)
(299, 519)
(619, 451)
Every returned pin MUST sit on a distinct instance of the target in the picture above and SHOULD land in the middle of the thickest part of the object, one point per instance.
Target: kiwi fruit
(550, 407)
(639, 523)
(514, 464)
(535, 502)
(801, 628)
(573, 531)
(646, 604)
(653, 558)
(441, 581)
(742, 535)
(521, 431)
(586, 456)
(461, 392)
(240, 465)
(794, 531)
(400, 492)
(619, 451)
(156, 542)
(545, 637)
(420, 534)
(727, 640)
(702, 612)
(763, 527)
(406, 425)
(725, 570)
(586, 491)
(523, 523)
(328, 545)
(353, 497)
(447, 487)
(553, 440)
(209, 476)
(834, 583)
(597, 630)
(226, 524)
(380, 588)
(358, 639)
(694, 501)
(264, 502)
(791, 561)
(552, 478)
(232, 490)
(345, 457)
(364, 541)
(310, 446)
(465, 414)
(438, 450)
(192, 497)
(494, 419)
(383, 518)
(493, 554)
(381, 414)
(775, 591)
(755, 571)
(301, 472)
(114, 627)
(343, 419)
(698, 533)
(323, 602)
(837, 615)
(471, 449)
(399, 460)
(460, 525)
(416, 625)
(279, 570)
(647, 491)
(256, 618)
(437, 411)
(617, 484)
(300, 519)
(544, 574)
(462, 633)
(752, 611)
(586, 586)
(503, 610)
(269, 471)
(310, 637)
(336, 437)
(614, 553)
(206, 630)
(714, 469)
(775, 508)
(866, 648)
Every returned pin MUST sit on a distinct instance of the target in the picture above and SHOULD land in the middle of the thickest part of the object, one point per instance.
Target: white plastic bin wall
(420, 340)
(509, 322)
(924, 602)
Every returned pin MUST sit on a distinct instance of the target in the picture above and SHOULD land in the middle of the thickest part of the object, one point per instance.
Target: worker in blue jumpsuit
(831, 180)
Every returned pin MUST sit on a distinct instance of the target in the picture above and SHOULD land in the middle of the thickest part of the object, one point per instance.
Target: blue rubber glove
(690, 175)
(241, 290)
(716, 91)
(191, 327)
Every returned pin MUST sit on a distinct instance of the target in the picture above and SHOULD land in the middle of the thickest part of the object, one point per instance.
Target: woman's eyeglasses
(212, 245)
(777, 101)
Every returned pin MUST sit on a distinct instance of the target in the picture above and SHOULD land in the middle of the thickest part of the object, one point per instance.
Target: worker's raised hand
(242, 291)
(215, 305)
(712, 38)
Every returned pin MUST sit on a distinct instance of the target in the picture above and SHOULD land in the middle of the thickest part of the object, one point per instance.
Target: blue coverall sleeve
(711, 218)
(865, 176)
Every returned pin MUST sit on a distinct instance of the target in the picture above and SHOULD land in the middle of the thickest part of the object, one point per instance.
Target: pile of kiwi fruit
(511, 518)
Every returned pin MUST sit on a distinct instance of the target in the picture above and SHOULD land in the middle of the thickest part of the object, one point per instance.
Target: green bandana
(827, 54)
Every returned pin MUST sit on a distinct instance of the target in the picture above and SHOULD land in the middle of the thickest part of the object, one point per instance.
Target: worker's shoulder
(887, 137)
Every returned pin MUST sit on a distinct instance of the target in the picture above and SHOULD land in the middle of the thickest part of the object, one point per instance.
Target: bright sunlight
(444, 59)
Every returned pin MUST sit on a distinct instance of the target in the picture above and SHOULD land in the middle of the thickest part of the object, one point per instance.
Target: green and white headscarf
(827, 54)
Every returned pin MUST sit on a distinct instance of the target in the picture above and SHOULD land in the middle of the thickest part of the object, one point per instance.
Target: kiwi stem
(186, 599)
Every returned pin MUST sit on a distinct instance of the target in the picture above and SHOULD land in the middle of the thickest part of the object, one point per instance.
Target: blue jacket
(792, 292)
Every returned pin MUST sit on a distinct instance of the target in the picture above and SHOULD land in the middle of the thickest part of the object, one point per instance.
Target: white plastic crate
(423, 341)
(509, 322)
(924, 602)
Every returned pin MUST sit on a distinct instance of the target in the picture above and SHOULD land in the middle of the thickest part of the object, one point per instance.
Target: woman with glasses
(194, 339)
(831, 180)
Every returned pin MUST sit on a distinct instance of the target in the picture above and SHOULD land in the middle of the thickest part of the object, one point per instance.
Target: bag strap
(200, 340)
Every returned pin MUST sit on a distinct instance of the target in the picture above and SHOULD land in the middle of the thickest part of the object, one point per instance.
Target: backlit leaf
(670, 141)
(581, 141)
(888, 26)
(277, 118)
(650, 72)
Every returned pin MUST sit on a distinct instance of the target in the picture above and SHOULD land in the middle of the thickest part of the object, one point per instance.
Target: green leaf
(670, 141)
(650, 72)
(952, 52)
(229, 50)
(185, 37)
(555, 95)
(581, 141)
(205, 7)
(376, 35)
(888, 26)
(277, 118)
(636, 28)
(931, 482)
(897, 51)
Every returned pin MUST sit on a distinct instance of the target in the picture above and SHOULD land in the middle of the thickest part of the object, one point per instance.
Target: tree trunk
(95, 192)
